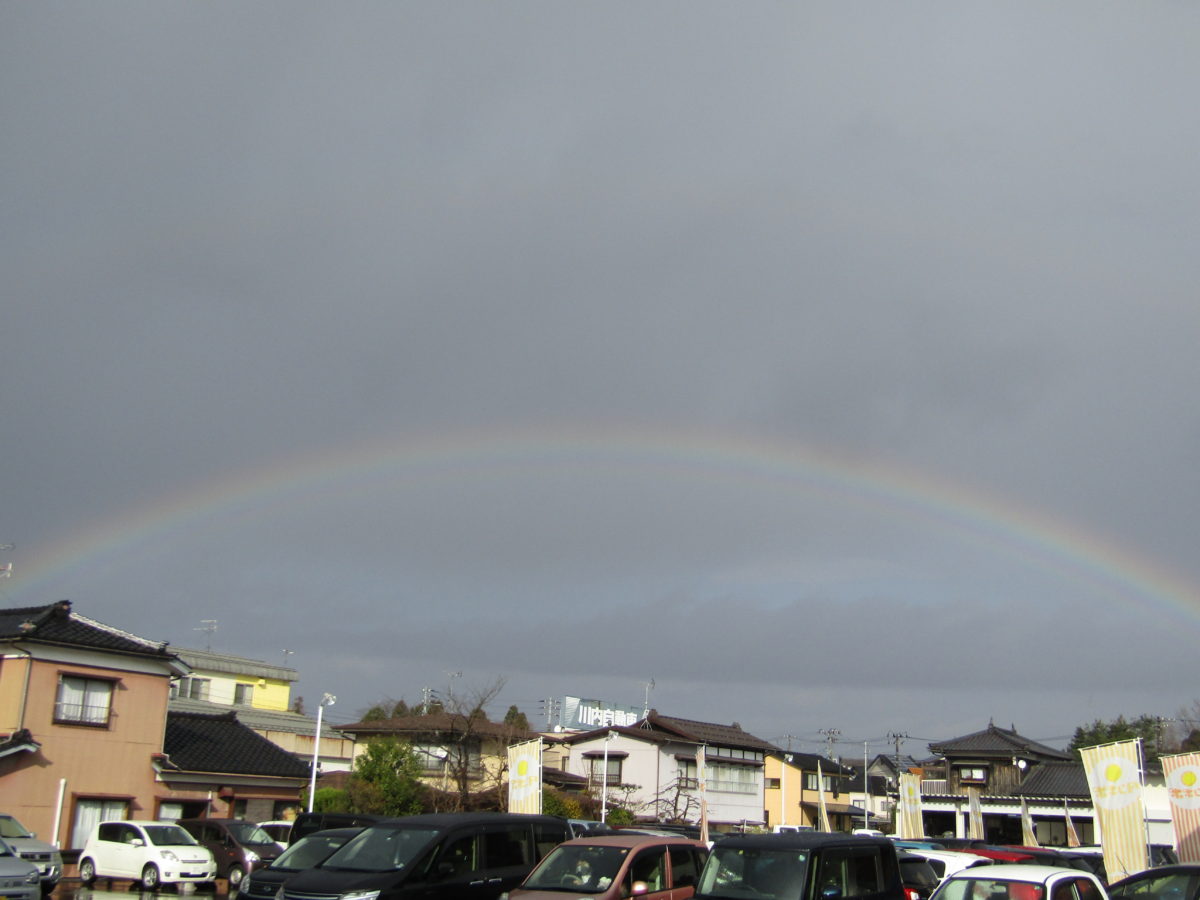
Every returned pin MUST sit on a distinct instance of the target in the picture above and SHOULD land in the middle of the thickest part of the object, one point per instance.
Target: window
(972, 774)
(649, 866)
(687, 774)
(597, 774)
(772, 784)
(733, 779)
(190, 688)
(686, 864)
(853, 873)
(243, 694)
(89, 812)
(83, 701)
(431, 756)
(810, 781)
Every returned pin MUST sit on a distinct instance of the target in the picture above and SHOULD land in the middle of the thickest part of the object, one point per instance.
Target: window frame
(82, 720)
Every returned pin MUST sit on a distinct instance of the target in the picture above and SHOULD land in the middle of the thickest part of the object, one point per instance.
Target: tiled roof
(808, 762)
(1056, 779)
(436, 723)
(993, 741)
(221, 744)
(208, 661)
(707, 732)
(258, 719)
(58, 624)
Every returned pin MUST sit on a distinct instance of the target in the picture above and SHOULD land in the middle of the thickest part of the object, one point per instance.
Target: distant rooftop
(227, 664)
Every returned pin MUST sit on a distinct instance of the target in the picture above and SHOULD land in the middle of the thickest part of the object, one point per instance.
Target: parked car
(307, 853)
(1021, 882)
(804, 866)
(1178, 882)
(19, 878)
(917, 875)
(443, 856)
(610, 867)
(310, 822)
(946, 862)
(153, 853)
(238, 846)
(45, 856)
(279, 830)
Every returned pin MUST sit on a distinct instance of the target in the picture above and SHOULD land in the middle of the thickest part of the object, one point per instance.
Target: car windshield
(11, 828)
(752, 872)
(579, 869)
(167, 835)
(5, 850)
(249, 833)
(1154, 887)
(381, 849)
(309, 851)
(990, 889)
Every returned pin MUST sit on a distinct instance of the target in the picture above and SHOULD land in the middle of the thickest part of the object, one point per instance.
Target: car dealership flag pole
(1114, 775)
(1182, 773)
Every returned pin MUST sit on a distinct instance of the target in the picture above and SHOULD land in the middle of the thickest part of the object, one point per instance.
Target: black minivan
(443, 856)
(238, 846)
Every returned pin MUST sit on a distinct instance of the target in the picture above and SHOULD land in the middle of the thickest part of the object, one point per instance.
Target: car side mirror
(138, 842)
(831, 892)
(639, 887)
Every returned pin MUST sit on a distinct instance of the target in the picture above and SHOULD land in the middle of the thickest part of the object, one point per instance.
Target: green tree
(329, 799)
(1151, 730)
(385, 779)
(514, 718)
(557, 803)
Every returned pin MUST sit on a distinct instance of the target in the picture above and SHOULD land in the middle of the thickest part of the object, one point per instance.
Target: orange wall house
(83, 709)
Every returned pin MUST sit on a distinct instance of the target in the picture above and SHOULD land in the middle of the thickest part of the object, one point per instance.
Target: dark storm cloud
(942, 240)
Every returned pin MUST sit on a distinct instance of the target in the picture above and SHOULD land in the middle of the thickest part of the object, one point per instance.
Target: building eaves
(996, 743)
(220, 744)
(707, 732)
(258, 719)
(226, 664)
(57, 623)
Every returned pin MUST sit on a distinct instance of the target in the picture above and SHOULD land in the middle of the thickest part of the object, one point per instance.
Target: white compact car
(153, 853)
(1021, 882)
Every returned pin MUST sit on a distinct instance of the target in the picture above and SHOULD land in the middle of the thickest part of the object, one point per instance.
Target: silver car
(19, 880)
(45, 856)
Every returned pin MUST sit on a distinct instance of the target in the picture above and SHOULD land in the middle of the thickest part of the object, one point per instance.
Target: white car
(19, 880)
(153, 853)
(1021, 882)
(946, 862)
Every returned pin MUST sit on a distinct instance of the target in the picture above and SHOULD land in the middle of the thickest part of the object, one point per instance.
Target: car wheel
(150, 877)
(236, 874)
(87, 870)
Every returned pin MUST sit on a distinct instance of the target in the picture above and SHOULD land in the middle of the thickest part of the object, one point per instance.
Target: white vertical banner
(1182, 771)
(975, 829)
(1028, 835)
(525, 777)
(910, 823)
(823, 811)
(700, 778)
(1114, 774)
(1072, 834)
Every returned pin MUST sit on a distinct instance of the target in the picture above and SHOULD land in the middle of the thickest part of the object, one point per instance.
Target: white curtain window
(85, 701)
(90, 813)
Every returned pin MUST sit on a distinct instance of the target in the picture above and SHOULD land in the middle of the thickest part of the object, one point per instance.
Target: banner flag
(525, 777)
(1028, 835)
(1114, 775)
(1182, 771)
(701, 752)
(1072, 834)
(910, 824)
(974, 815)
(824, 822)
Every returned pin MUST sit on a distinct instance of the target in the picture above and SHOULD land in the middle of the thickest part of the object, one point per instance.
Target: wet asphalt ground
(104, 889)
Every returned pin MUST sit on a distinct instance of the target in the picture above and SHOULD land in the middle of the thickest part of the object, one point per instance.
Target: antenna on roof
(209, 627)
(646, 705)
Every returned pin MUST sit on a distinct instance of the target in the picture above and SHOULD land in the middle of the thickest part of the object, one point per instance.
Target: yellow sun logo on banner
(1183, 787)
(1115, 783)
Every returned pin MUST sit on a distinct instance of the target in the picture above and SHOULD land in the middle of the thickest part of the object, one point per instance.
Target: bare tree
(464, 740)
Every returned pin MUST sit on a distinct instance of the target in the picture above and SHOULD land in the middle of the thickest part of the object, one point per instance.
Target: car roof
(630, 841)
(1016, 872)
(803, 840)
(142, 822)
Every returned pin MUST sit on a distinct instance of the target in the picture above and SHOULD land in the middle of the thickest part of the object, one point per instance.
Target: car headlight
(251, 856)
(168, 855)
(361, 895)
(33, 877)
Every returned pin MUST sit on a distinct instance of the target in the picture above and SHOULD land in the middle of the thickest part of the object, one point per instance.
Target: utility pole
(897, 738)
(831, 736)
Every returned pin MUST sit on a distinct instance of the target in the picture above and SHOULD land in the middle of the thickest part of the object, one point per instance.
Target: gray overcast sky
(830, 364)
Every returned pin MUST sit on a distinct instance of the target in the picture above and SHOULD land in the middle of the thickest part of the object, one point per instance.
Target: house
(793, 786)
(260, 695)
(654, 769)
(461, 754)
(214, 765)
(1003, 768)
(83, 709)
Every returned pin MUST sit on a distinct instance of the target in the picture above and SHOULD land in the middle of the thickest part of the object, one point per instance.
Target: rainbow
(967, 513)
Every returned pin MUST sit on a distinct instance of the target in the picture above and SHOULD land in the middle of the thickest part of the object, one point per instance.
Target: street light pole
(604, 790)
(326, 700)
